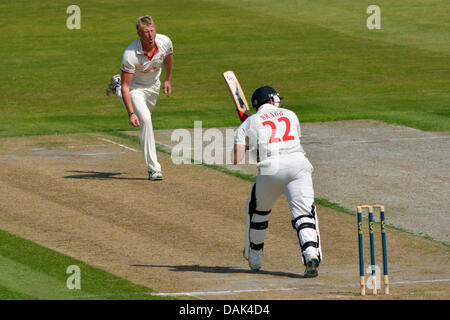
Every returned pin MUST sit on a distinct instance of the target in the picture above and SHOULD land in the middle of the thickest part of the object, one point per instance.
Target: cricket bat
(237, 94)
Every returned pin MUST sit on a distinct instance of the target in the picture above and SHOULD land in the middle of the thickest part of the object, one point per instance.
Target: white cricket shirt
(146, 67)
(271, 131)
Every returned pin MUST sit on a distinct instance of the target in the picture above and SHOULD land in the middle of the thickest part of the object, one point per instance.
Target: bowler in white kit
(273, 134)
(138, 86)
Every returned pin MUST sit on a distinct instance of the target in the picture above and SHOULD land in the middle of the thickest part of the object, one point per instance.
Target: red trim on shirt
(126, 71)
(150, 57)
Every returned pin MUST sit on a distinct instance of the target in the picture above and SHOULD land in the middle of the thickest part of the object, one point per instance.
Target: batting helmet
(262, 95)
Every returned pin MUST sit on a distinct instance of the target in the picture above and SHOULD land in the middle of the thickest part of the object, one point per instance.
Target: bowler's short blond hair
(144, 21)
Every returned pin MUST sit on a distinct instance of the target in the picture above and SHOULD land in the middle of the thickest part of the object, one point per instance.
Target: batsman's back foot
(312, 268)
(254, 259)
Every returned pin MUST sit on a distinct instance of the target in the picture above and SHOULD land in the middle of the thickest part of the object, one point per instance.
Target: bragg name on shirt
(271, 115)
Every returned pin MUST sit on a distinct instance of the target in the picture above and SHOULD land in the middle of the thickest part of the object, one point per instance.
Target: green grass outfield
(318, 54)
(29, 272)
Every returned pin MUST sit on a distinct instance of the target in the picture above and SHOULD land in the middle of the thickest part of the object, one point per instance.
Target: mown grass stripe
(33, 271)
(327, 64)
(23, 279)
(9, 294)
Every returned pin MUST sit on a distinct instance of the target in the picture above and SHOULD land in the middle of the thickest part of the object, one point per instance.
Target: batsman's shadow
(218, 269)
(98, 175)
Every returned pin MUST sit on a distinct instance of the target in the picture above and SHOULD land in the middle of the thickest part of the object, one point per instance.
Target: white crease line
(166, 146)
(67, 147)
(421, 281)
(207, 293)
(120, 145)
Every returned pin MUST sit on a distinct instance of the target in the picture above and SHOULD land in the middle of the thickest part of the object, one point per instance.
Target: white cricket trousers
(144, 101)
(290, 174)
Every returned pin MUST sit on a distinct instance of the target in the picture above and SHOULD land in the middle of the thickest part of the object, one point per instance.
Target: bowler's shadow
(218, 269)
(99, 175)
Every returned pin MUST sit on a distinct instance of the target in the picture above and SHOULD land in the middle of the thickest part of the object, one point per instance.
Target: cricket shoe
(155, 176)
(254, 259)
(115, 82)
(312, 268)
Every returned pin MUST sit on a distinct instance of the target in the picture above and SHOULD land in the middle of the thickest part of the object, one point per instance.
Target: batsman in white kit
(138, 86)
(273, 134)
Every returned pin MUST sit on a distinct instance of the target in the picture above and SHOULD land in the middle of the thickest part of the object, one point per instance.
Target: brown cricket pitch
(91, 200)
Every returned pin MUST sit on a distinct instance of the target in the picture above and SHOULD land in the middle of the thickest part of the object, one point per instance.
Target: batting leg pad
(256, 226)
(307, 228)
